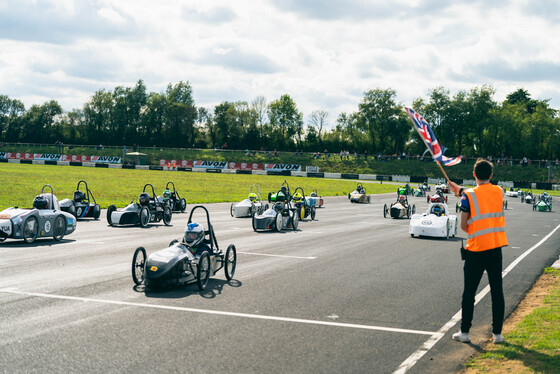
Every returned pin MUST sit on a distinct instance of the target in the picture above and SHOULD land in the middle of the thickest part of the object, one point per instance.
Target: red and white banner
(282, 167)
(176, 163)
(211, 164)
(47, 156)
(245, 166)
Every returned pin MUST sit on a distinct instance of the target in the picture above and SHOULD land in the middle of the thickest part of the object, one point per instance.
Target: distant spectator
(365, 154)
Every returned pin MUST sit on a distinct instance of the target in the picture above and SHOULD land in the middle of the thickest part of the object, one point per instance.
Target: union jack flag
(429, 139)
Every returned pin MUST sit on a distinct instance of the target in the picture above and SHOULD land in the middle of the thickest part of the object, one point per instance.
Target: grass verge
(22, 182)
(532, 334)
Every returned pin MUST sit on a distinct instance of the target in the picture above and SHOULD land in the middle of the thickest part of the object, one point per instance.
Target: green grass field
(22, 182)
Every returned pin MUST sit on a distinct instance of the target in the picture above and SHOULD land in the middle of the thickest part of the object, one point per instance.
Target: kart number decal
(154, 268)
(426, 223)
(70, 221)
(5, 216)
(47, 226)
(7, 229)
(79, 212)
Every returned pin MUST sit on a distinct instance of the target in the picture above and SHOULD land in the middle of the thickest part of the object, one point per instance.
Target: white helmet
(194, 234)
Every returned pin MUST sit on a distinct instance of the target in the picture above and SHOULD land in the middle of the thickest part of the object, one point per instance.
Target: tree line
(469, 123)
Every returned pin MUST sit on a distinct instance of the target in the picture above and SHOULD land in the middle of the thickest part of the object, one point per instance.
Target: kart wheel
(408, 211)
(230, 262)
(79, 212)
(505, 204)
(278, 222)
(295, 221)
(2, 239)
(203, 271)
(110, 211)
(428, 199)
(412, 235)
(96, 211)
(167, 215)
(534, 207)
(254, 222)
(59, 228)
(266, 207)
(369, 199)
(385, 211)
(447, 227)
(231, 210)
(72, 210)
(138, 262)
(301, 212)
(413, 208)
(313, 212)
(145, 216)
(457, 207)
(183, 205)
(348, 196)
(30, 230)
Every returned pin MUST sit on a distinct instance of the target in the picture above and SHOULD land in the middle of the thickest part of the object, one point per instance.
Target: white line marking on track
(428, 344)
(269, 255)
(221, 313)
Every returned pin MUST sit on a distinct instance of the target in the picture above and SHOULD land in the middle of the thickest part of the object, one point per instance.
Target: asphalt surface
(350, 292)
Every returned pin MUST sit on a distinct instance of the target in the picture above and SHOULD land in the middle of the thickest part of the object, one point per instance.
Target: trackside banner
(106, 159)
(282, 167)
(176, 163)
(210, 164)
(245, 166)
(47, 156)
(59, 157)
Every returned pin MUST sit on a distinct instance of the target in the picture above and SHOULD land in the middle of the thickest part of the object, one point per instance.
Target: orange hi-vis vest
(486, 224)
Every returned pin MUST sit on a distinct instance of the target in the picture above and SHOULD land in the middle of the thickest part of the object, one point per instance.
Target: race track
(351, 292)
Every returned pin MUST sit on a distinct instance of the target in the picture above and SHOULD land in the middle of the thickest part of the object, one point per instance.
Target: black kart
(82, 204)
(171, 197)
(177, 265)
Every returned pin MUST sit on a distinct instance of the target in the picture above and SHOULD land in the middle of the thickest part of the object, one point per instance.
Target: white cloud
(325, 54)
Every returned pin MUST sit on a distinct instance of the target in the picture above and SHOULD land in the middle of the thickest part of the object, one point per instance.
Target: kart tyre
(30, 230)
(447, 227)
(278, 222)
(505, 204)
(145, 216)
(203, 271)
(428, 199)
(313, 212)
(301, 212)
(59, 228)
(412, 235)
(385, 211)
(96, 211)
(348, 196)
(254, 222)
(231, 209)
(457, 207)
(167, 215)
(269, 195)
(72, 210)
(413, 208)
(2, 239)
(138, 263)
(230, 262)
(295, 221)
(266, 207)
(369, 199)
(408, 211)
(110, 211)
(182, 205)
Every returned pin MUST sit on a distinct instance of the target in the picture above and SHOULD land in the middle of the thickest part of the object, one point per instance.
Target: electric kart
(316, 199)
(177, 265)
(147, 209)
(359, 195)
(513, 193)
(82, 205)
(304, 206)
(436, 222)
(171, 197)
(528, 197)
(438, 197)
(421, 190)
(45, 219)
(406, 190)
(443, 187)
(253, 204)
(544, 203)
(399, 209)
(282, 215)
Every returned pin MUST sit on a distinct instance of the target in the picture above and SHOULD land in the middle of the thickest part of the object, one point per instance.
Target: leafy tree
(286, 120)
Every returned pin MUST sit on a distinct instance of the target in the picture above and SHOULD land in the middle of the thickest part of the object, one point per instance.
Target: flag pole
(443, 171)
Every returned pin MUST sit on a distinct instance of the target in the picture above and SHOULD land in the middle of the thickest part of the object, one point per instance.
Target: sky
(323, 53)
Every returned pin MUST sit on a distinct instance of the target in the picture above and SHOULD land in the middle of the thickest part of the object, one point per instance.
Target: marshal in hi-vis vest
(486, 224)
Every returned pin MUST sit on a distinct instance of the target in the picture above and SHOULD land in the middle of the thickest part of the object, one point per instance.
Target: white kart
(513, 193)
(315, 199)
(436, 222)
(252, 205)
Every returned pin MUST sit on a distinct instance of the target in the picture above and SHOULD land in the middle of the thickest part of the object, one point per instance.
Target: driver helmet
(297, 197)
(40, 202)
(437, 210)
(166, 194)
(144, 198)
(278, 207)
(402, 198)
(194, 234)
(79, 196)
(313, 194)
(253, 196)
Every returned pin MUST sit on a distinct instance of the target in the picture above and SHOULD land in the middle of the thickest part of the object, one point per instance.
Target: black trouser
(475, 264)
